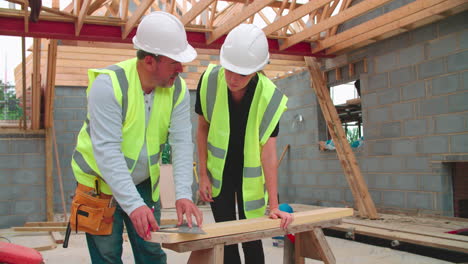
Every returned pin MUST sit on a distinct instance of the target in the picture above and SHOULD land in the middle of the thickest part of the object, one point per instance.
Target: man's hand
(143, 221)
(204, 188)
(187, 207)
(286, 218)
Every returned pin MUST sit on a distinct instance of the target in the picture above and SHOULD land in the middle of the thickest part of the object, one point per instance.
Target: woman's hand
(286, 218)
(204, 188)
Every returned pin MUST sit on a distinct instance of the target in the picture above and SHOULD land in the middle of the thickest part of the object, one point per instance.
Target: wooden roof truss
(289, 22)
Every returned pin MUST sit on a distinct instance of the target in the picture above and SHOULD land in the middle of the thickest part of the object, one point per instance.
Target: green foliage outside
(9, 105)
(166, 156)
(352, 134)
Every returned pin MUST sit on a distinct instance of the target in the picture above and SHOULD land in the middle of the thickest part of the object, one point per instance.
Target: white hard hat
(161, 33)
(245, 50)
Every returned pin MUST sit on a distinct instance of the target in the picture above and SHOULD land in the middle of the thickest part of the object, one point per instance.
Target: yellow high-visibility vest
(129, 94)
(268, 104)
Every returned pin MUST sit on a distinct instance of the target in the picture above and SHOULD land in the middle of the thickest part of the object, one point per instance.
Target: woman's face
(237, 82)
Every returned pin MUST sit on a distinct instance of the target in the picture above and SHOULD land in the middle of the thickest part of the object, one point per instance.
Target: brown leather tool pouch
(92, 212)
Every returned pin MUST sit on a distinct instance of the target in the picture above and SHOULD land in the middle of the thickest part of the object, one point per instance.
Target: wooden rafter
(281, 9)
(230, 11)
(58, 12)
(56, 4)
(294, 15)
(96, 5)
(347, 14)
(195, 11)
(83, 11)
(171, 7)
(113, 8)
(213, 15)
(344, 4)
(76, 6)
(250, 10)
(123, 10)
(395, 20)
(132, 21)
(276, 3)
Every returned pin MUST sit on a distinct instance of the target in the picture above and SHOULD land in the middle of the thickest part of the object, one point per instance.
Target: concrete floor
(345, 251)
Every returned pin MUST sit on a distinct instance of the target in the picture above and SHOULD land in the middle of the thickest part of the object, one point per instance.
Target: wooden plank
(400, 22)
(405, 237)
(36, 85)
(345, 154)
(57, 237)
(133, 20)
(252, 225)
(39, 228)
(44, 224)
(195, 11)
(233, 21)
(245, 237)
(294, 15)
(347, 14)
(409, 230)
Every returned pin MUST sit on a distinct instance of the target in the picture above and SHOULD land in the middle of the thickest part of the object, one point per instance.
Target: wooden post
(346, 156)
(49, 177)
(214, 255)
(23, 77)
(48, 124)
(50, 83)
(36, 85)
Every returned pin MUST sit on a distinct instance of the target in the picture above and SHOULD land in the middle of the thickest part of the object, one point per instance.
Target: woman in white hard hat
(239, 110)
(132, 107)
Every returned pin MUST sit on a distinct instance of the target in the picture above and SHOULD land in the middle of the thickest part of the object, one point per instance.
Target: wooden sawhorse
(307, 226)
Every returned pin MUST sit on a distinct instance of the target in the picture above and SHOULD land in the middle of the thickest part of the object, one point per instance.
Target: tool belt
(92, 211)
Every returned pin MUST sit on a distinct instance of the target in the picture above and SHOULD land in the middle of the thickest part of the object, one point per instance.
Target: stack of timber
(428, 231)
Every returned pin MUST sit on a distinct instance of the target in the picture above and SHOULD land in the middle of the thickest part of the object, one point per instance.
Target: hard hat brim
(188, 55)
(242, 70)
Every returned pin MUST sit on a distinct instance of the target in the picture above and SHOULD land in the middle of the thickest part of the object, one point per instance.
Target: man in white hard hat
(134, 108)
(239, 110)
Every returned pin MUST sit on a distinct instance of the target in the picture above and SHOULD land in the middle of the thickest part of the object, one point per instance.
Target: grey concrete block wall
(22, 170)
(415, 113)
(70, 101)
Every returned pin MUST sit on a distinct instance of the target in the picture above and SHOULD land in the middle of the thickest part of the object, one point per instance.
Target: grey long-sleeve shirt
(106, 136)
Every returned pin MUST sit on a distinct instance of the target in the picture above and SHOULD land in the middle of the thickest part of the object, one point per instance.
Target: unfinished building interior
(405, 61)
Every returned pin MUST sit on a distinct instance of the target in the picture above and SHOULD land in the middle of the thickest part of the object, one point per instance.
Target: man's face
(235, 81)
(165, 71)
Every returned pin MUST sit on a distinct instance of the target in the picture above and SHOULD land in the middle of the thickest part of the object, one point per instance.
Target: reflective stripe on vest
(123, 82)
(211, 91)
(272, 107)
